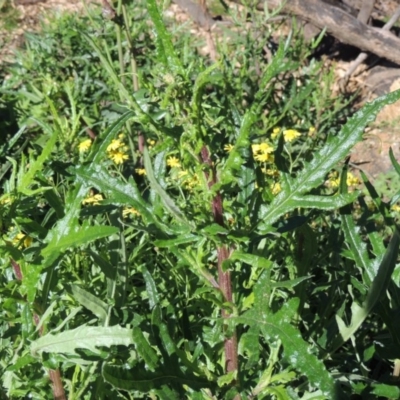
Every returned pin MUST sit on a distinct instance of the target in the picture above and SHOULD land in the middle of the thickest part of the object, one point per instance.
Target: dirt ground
(371, 155)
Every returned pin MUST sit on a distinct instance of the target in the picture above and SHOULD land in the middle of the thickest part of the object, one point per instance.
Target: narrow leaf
(165, 47)
(91, 302)
(146, 352)
(36, 166)
(144, 381)
(166, 199)
(84, 337)
(75, 239)
(376, 291)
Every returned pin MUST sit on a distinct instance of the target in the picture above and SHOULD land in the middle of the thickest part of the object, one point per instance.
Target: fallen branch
(343, 26)
(363, 56)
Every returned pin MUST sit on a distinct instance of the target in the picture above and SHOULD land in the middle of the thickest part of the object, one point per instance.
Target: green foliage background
(130, 306)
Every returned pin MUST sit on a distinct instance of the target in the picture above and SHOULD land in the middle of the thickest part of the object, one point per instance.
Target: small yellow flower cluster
(173, 162)
(192, 182)
(262, 152)
(6, 199)
(130, 211)
(271, 172)
(395, 208)
(140, 171)
(21, 240)
(93, 199)
(289, 135)
(275, 133)
(311, 131)
(275, 188)
(229, 147)
(117, 150)
(188, 180)
(334, 180)
(150, 143)
(84, 145)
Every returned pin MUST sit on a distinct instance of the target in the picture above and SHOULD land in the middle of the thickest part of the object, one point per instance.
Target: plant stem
(224, 277)
(54, 374)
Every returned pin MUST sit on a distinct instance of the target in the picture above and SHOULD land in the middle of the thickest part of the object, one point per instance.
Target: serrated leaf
(165, 48)
(91, 302)
(116, 191)
(202, 80)
(145, 351)
(235, 160)
(151, 287)
(83, 337)
(314, 172)
(290, 283)
(182, 239)
(376, 291)
(386, 391)
(251, 259)
(166, 393)
(277, 326)
(37, 165)
(357, 246)
(74, 239)
(227, 378)
(395, 164)
(144, 381)
(167, 343)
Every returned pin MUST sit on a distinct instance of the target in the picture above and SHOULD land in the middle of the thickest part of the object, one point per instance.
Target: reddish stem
(223, 252)
(54, 374)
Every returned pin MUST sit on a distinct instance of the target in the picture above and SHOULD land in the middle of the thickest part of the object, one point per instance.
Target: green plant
(194, 249)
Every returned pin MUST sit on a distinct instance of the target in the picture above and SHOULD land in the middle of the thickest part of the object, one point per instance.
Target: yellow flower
(263, 157)
(263, 148)
(270, 172)
(275, 188)
(266, 148)
(151, 142)
(84, 146)
(93, 199)
(121, 135)
(262, 152)
(115, 145)
(140, 171)
(229, 147)
(22, 240)
(173, 162)
(290, 134)
(311, 131)
(192, 182)
(129, 211)
(395, 208)
(275, 133)
(352, 180)
(255, 148)
(118, 156)
(6, 199)
(334, 182)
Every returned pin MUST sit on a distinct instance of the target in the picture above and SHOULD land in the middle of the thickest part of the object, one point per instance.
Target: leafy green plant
(194, 248)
